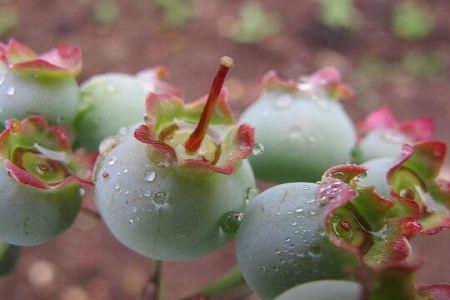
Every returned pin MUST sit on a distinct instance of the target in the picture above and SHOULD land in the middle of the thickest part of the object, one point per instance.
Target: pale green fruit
(22, 95)
(381, 143)
(32, 216)
(301, 137)
(109, 102)
(166, 212)
(282, 243)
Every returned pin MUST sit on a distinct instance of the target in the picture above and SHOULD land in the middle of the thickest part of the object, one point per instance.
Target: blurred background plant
(254, 24)
(176, 13)
(106, 12)
(340, 14)
(411, 21)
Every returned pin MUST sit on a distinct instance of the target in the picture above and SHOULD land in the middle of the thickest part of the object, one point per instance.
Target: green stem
(229, 285)
(152, 291)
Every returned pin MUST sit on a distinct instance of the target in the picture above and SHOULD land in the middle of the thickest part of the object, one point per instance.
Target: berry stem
(194, 141)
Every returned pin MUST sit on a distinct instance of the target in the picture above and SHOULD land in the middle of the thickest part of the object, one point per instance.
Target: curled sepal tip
(42, 180)
(358, 219)
(201, 134)
(60, 62)
(414, 179)
(324, 82)
(416, 130)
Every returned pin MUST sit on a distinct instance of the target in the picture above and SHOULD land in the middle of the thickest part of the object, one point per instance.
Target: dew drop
(313, 213)
(82, 192)
(299, 210)
(111, 88)
(393, 137)
(117, 186)
(311, 138)
(111, 161)
(323, 104)
(283, 102)
(160, 197)
(149, 176)
(258, 149)
(125, 171)
(122, 130)
(231, 221)
(11, 91)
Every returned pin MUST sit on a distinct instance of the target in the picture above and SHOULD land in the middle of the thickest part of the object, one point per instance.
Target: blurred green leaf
(8, 20)
(425, 65)
(340, 14)
(176, 13)
(411, 22)
(255, 24)
(106, 12)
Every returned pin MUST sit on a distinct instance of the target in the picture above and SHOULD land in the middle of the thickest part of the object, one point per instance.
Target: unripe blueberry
(41, 181)
(282, 242)
(113, 101)
(324, 290)
(383, 136)
(164, 191)
(39, 84)
(301, 126)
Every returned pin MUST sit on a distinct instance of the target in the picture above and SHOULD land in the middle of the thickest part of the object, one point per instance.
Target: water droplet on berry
(82, 192)
(160, 198)
(111, 161)
(149, 176)
(393, 137)
(122, 130)
(231, 221)
(258, 149)
(322, 104)
(111, 88)
(283, 101)
(11, 91)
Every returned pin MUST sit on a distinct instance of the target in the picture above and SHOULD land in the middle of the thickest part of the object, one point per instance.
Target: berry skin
(301, 126)
(41, 181)
(383, 136)
(281, 242)
(324, 290)
(39, 84)
(9, 254)
(113, 101)
(163, 191)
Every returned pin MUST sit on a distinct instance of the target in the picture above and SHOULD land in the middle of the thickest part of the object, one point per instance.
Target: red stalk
(194, 141)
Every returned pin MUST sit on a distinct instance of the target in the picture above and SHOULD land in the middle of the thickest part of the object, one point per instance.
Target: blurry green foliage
(106, 12)
(255, 24)
(340, 14)
(176, 13)
(411, 22)
(8, 20)
(424, 65)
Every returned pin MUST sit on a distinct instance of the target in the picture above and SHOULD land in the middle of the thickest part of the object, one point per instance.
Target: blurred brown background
(392, 52)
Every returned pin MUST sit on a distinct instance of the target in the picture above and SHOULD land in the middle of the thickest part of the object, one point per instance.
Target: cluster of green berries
(175, 180)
